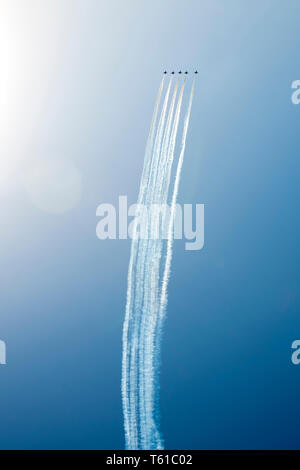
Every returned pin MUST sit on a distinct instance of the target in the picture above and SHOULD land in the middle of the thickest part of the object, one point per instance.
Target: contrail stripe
(130, 293)
(173, 206)
(150, 313)
(146, 293)
(140, 263)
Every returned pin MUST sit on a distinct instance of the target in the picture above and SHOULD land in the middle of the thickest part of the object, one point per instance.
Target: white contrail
(151, 301)
(169, 156)
(163, 191)
(130, 288)
(149, 146)
(146, 295)
(137, 284)
(152, 196)
(157, 149)
(139, 278)
(163, 300)
(151, 436)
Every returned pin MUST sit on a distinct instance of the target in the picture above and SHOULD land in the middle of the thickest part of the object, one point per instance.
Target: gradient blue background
(86, 92)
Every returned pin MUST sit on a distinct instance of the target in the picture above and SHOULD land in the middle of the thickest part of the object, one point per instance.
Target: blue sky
(78, 90)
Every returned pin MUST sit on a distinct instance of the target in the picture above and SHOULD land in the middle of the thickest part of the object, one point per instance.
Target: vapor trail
(151, 438)
(136, 286)
(168, 255)
(146, 293)
(152, 196)
(163, 300)
(130, 285)
(139, 273)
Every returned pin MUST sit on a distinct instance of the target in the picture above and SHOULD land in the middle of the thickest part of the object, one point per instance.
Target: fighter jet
(172, 73)
(179, 71)
(165, 71)
(196, 71)
(186, 72)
